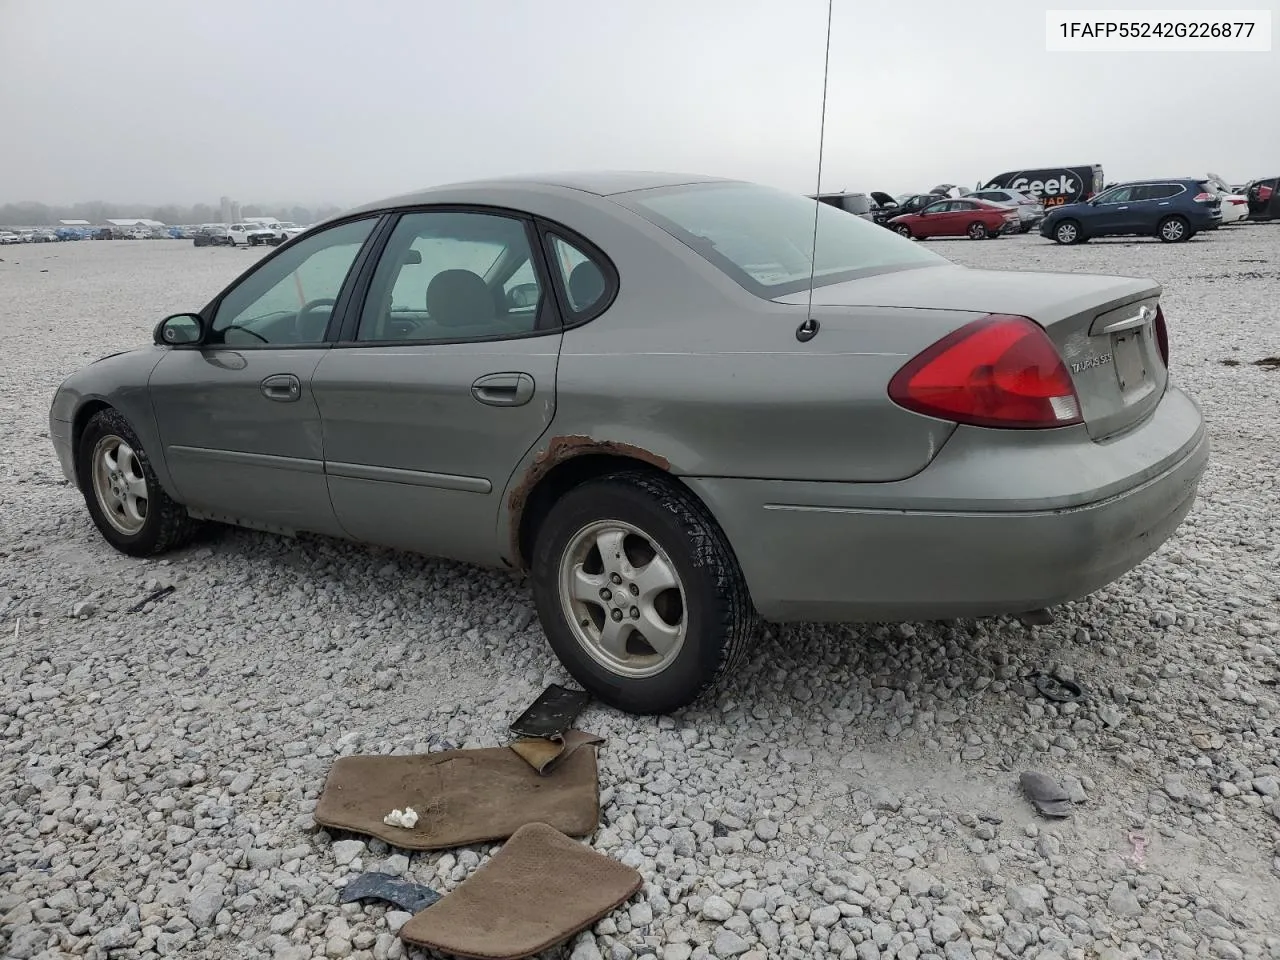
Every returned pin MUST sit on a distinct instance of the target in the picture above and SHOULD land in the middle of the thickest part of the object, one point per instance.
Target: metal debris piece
(1055, 688)
(151, 598)
(405, 894)
(1046, 794)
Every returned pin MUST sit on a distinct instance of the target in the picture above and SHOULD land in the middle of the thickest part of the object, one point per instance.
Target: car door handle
(504, 389)
(284, 387)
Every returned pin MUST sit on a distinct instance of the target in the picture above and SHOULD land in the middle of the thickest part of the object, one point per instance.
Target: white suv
(250, 234)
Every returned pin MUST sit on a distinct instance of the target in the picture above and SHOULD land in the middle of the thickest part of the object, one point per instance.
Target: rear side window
(763, 238)
(1157, 191)
(585, 282)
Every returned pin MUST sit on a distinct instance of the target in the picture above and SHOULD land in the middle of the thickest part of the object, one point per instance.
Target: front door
(933, 220)
(1112, 213)
(443, 386)
(237, 414)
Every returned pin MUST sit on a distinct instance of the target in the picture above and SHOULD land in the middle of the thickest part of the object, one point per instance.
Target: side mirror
(179, 330)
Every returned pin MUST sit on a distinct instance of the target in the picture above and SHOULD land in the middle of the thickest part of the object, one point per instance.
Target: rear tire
(125, 500)
(1174, 230)
(977, 231)
(637, 550)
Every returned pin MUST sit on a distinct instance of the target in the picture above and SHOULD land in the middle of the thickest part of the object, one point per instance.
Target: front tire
(125, 500)
(639, 592)
(1068, 232)
(902, 230)
(1173, 230)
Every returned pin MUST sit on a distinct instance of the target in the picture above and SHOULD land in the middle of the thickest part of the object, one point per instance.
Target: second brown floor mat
(537, 891)
(460, 796)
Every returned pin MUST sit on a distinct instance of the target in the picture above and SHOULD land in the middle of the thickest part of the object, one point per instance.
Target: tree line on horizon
(33, 214)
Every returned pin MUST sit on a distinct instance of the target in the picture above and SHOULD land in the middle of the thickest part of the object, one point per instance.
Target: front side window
(448, 275)
(1117, 195)
(764, 238)
(289, 299)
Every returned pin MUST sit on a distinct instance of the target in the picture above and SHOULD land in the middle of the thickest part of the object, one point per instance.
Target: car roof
(1129, 183)
(602, 183)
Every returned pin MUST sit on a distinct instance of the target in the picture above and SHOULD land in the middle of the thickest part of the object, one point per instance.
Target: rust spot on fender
(557, 452)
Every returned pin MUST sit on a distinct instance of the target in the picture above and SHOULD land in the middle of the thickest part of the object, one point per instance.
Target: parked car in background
(965, 217)
(1235, 204)
(250, 234)
(859, 204)
(8, 236)
(286, 230)
(1173, 210)
(496, 388)
(1030, 210)
(1264, 198)
(212, 237)
(1052, 186)
(905, 203)
(43, 236)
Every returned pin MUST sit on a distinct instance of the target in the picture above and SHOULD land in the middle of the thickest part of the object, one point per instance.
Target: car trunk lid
(1104, 327)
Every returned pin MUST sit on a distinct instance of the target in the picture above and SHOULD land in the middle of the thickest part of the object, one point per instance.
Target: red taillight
(1238, 201)
(998, 371)
(1206, 197)
(1162, 335)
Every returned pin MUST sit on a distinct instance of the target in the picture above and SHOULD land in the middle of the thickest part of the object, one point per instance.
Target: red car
(975, 219)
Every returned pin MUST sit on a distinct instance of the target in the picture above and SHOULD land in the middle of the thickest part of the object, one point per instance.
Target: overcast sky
(309, 101)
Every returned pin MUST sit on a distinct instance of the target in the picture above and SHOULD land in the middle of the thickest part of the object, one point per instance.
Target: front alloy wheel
(119, 485)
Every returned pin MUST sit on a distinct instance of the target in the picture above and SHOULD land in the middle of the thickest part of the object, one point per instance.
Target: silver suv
(1030, 210)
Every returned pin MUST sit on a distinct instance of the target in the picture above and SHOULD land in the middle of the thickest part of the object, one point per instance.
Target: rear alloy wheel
(125, 500)
(902, 230)
(639, 593)
(977, 231)
(1067, 232)
(1174, 230)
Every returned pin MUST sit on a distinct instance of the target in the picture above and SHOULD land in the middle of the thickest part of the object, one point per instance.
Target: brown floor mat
(545, 754)
(537, 891)
(461, 796)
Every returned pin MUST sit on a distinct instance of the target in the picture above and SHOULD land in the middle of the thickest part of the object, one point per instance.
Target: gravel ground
(852, 794)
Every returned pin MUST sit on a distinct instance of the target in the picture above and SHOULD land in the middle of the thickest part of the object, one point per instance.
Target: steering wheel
(311, 306)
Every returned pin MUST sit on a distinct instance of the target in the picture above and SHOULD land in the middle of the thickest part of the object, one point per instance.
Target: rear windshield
(763, 238)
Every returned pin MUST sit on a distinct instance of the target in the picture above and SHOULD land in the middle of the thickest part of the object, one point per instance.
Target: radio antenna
(809, 328)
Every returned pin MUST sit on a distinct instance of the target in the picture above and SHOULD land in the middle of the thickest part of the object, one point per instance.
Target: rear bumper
(994, 525)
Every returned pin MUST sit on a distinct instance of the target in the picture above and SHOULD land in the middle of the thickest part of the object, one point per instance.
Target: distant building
(229, 210)
(135, 222)
(74, 223)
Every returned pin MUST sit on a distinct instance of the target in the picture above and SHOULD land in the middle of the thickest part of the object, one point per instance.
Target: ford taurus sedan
(663, 401)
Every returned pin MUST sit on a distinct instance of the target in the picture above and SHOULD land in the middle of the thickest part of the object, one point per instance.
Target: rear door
(444, 381)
